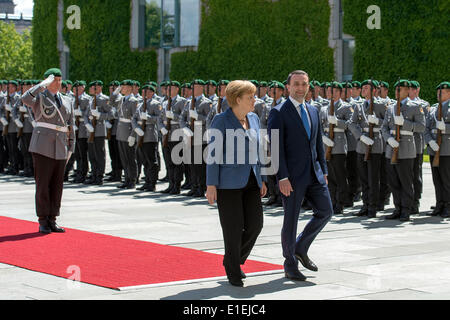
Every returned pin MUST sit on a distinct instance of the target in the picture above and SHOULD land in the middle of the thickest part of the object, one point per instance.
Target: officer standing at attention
(52, 144)
(410, 120)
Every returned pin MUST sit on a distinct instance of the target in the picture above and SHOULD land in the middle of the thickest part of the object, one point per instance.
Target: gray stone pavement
(358, 258)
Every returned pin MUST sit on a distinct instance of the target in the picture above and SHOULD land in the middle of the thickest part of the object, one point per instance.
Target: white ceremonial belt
(374, 129)
(125, 120)
(81, 120)
(52, 126)
(403, 132)
(174, 122)
(26, 116)
(335, 130)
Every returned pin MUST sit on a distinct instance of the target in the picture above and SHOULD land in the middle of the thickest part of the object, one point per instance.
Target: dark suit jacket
(297, 153)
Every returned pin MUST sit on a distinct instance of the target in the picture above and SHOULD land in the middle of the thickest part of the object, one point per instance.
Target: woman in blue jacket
(233, 176)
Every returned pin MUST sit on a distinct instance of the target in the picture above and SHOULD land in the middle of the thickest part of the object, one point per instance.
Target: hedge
(100, 49)
(412, 42)
(258, 39)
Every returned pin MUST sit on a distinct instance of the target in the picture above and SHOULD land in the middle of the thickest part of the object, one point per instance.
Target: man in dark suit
(302, 172)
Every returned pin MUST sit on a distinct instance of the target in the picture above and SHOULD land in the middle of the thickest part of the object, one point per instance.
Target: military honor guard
(196, 112)
(220, 105)
(52, 142)
(115, 175)
(99, 113)
(3, 148)
(365, 125)
(437, 137)
(145, 123)
(401, 121)
(170, 121)
(334, 119)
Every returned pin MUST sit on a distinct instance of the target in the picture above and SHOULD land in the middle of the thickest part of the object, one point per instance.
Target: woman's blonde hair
(236, 89)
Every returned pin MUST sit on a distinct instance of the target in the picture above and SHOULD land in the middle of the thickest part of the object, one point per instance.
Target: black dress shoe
(361, 213)
(130, 186)
(123, 185)
(404, 216)
(380, 207)
(55, 228)
(348, 205)
(338, 210)
(306, 262)
(175, 190)
(143, 187)
(169, 188)
(45, 229)
(357, 197)
(371, 214)
(296, 275)
(191, 193)
(236, 282)
(272, 200)
(445, 213)
(395, 215)
(437, 210)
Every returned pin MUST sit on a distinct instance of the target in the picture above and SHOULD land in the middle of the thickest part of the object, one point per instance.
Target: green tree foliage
(15, 54)
(259, 39)
(412, 42)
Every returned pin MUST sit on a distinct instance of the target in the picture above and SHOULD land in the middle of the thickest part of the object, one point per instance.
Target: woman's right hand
(211, 194)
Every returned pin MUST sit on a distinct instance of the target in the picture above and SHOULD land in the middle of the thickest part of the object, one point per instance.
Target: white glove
(75, 128)
(332, 119)
(143, 115)
(117, 90)
(188, 132)
(193, 114)
(139, 131)
(19, 124)
(399, 120)
(440, 125)
(164, 131)
(108, 125)
(23, 109)
(169, 114)
(47, 81)
(34, 123)
(393, 143)
(373, 120)
(131, 141)
(434, 145)
(8, 107)
(113, 110)
(89, 127)
(4, 121)
(327, 141)
(366, 140)
(95, 113)
(77, 112)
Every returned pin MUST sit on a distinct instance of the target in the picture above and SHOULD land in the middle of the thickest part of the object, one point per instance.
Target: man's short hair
(300, 72)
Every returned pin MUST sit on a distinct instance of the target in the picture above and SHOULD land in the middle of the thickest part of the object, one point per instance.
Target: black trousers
(354, 184)
(337, 180)
(3, 153)
(128, 159)
(174, 171)
(385, 191)
(82, 147)
(96, 150)
(418, 182)
(369, 173)
(198, 170)
(149, 153)
(24, 141)
(241, 219)
(49, 177)
(441, 180)
(116, 164)
(13, 147)
(400, 179)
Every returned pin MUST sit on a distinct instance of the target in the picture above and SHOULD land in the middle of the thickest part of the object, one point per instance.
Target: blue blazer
(297, 153)
(233, 175)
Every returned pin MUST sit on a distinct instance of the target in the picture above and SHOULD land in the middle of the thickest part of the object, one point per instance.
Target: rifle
(169, 124)
(371, 125)
(313, 94)
(94, 121)
(109, 130)
(77, 118)
(330, 126)
(394, 158)
(22, 117)
(144, 122)
(192, 108)
(7, 115)
(439, 132)
(219, 103)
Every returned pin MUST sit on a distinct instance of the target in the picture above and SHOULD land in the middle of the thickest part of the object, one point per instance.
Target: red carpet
(105, 260)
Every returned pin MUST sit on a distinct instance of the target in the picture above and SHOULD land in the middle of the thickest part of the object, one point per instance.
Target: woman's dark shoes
(44, 228)
(295, 275)
(55, 228)
(235, 282)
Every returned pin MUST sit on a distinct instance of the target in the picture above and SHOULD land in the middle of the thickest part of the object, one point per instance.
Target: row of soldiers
(359, 136)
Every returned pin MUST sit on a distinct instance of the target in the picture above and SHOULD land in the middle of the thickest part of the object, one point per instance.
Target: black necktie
(57, 101)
